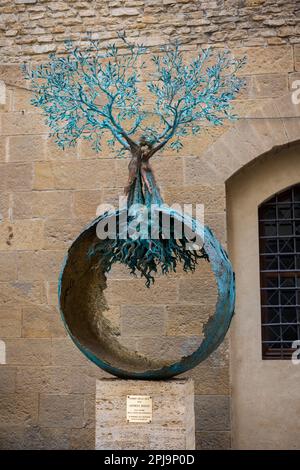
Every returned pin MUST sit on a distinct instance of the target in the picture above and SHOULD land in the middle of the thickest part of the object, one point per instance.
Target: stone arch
(255, 159)
(272, 125)
(259, 387)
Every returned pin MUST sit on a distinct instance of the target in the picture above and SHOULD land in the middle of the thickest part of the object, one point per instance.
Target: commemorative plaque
(139, 409)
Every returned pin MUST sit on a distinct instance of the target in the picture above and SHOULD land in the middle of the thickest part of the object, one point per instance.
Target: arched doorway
(265, 393)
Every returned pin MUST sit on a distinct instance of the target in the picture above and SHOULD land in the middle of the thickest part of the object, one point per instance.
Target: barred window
(279, 245)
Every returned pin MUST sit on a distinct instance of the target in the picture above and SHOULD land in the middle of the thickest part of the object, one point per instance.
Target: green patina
(87, 94)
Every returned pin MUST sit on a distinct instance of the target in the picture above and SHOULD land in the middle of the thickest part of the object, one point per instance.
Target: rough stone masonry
(172, 425)
(47, 388)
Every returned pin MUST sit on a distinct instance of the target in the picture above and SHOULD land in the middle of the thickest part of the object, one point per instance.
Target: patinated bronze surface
(91, 93)
(83, 304)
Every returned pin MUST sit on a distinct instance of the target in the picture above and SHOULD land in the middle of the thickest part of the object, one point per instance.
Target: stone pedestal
(173, 419)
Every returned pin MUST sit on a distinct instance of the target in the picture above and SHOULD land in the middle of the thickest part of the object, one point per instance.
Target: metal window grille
(279, 248)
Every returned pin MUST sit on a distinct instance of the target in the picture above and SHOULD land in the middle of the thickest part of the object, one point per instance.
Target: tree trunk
(141, 187)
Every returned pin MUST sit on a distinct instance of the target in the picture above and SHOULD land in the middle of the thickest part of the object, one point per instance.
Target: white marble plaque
(139, 409)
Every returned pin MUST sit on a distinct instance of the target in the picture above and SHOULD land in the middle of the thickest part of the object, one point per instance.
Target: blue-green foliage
(190, 94)
(94, 94)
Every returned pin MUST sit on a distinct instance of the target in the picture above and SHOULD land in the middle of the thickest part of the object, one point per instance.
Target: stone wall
(47, 388)
(173, 417)
(253, 379)
(32, 27)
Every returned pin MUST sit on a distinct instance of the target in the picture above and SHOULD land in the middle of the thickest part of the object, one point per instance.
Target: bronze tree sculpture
(89, 94)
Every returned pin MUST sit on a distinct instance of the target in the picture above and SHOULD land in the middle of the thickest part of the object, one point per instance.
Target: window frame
(274, 280)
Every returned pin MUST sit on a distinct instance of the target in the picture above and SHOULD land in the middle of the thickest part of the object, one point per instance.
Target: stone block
(119, 271)
(20, 293)
(16, 177)
(125, 11)
(23, 123)
(57, 379)
(297, 57)
(243, 108)
(113, 314)
(186, 320)
(23, 234)
(112, 197)
(79, 174)
(245, 141)
(201, 291)
(65, 352)
(260, 60)
(17, 409)
(209, 380)
(3, 95)
(39, 265)
(12, 75)
(21, 101)
(8, 105)
(59, 234)
(42, 204)
(26, 148)
(8, 268)
(10, 322)
(43, 48)
(44, 379)
(42, 322)
(200, 170)
(43, 176)
(170, 349)
(143, 321)
(213, 413)
(196, 145)
(293, 77)
(89, 409)
(82, 439)
(85, 203)
(172, 425)
(52, 295)
(217, 440)
(3, 149)
(4, 206)
(262, 131)
(211, 196)
(286, 107)
(43, 438)
(7, 379)
(267, 85)
(11, 437)
(54, 152)
(26, 1)
(63, 411)
(85, 148)
(168, 171)
(85, 378)
(220, 357)
(24, 351)
(133, 292)
(217, 223)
